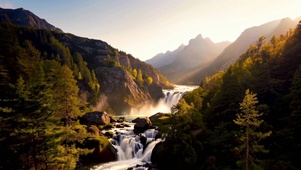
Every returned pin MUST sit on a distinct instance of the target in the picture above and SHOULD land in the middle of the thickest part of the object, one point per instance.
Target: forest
(46, 86)
(40, 101)
(245, 117)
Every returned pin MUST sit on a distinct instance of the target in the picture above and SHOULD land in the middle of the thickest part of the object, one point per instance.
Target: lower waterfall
(130, 150)
(135, 149)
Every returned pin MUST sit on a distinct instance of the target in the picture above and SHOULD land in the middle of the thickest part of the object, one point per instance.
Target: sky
(145, 28)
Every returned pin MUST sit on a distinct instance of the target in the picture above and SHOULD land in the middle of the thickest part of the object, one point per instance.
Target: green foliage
(62, 51)
(109, 62)
(149, 80)
(135, 73)
(181, 129)
(139, 77)
(272, 70)
(33, 134)
(249, 120)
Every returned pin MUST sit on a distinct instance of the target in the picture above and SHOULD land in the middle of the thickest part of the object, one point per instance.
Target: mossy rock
(93, 130)
(81, 129)
(106, 127)
(103, 151)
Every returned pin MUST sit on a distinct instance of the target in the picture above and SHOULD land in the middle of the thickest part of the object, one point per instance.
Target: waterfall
(172, 97)
(130, 150)
(137, 149)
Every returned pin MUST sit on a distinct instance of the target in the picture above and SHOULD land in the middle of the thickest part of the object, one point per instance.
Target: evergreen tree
(135, 73)
(149, 80)
(249, 120)
(66, 96)
(140, 77)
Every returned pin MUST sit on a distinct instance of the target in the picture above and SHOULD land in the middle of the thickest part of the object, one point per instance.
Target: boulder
(103, 151)
(109, 134)
(95, 118)
(121, 119)
(119, 126)
(142, 124)
(157, 116)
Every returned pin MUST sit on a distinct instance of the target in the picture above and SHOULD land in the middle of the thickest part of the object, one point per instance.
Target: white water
(129, 148)
(172, 97)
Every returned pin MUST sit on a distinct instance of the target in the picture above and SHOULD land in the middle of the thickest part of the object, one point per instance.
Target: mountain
(199, 51)
(124, 81)
(239, 46)
(164, 59)
(24, 17)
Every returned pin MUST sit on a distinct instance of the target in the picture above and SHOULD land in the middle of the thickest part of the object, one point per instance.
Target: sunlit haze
(145, 28)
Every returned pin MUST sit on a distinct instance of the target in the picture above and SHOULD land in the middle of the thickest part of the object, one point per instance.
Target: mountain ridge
(197, 73)
(199, 51)
(23, 17)
(248, 37)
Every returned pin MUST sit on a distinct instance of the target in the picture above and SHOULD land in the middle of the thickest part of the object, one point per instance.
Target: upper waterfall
(172, 97)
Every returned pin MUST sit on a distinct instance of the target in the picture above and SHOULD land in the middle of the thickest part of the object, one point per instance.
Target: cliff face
(117, 83)
(121, 90)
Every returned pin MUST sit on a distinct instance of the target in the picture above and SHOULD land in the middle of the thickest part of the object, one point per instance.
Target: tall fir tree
(249, 120)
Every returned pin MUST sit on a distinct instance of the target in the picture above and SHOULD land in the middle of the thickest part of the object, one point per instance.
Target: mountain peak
(199, 40)
(23, 17)
(200, 36)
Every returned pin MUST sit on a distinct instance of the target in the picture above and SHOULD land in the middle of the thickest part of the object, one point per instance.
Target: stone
(157, 116)
(103, 151)
(95, 118)
(113, 119)
(93, 130)
(141, 124)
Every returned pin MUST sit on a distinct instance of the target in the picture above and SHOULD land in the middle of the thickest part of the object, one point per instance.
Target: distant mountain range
(201, 57)
(200, 51)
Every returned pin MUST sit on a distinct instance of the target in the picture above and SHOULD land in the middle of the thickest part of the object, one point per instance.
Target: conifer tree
(249, 120)
(140, 77)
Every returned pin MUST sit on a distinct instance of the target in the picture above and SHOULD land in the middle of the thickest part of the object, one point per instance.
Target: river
(130, 150)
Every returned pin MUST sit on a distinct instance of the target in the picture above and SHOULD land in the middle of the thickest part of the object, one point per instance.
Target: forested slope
(209, 129)
(98, 68)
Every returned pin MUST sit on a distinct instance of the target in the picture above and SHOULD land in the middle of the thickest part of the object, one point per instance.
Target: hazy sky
(145, 28)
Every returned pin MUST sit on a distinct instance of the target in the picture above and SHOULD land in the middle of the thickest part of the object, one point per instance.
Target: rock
(142, 124)
(120, 88)
(95, 118)
(143, 140)
(109, 134)
(155, 91)
(93, 130)
(103, 151)
(113, 119)
(121, 119)
(120, 126)
(126, 125)
(107, 127)
(157, 116)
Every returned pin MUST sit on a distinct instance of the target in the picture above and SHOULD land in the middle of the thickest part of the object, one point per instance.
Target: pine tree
(66, 96)
(140, 77)
(249, 120)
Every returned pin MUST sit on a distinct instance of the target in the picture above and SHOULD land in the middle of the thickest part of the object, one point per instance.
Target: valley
(72, 102)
